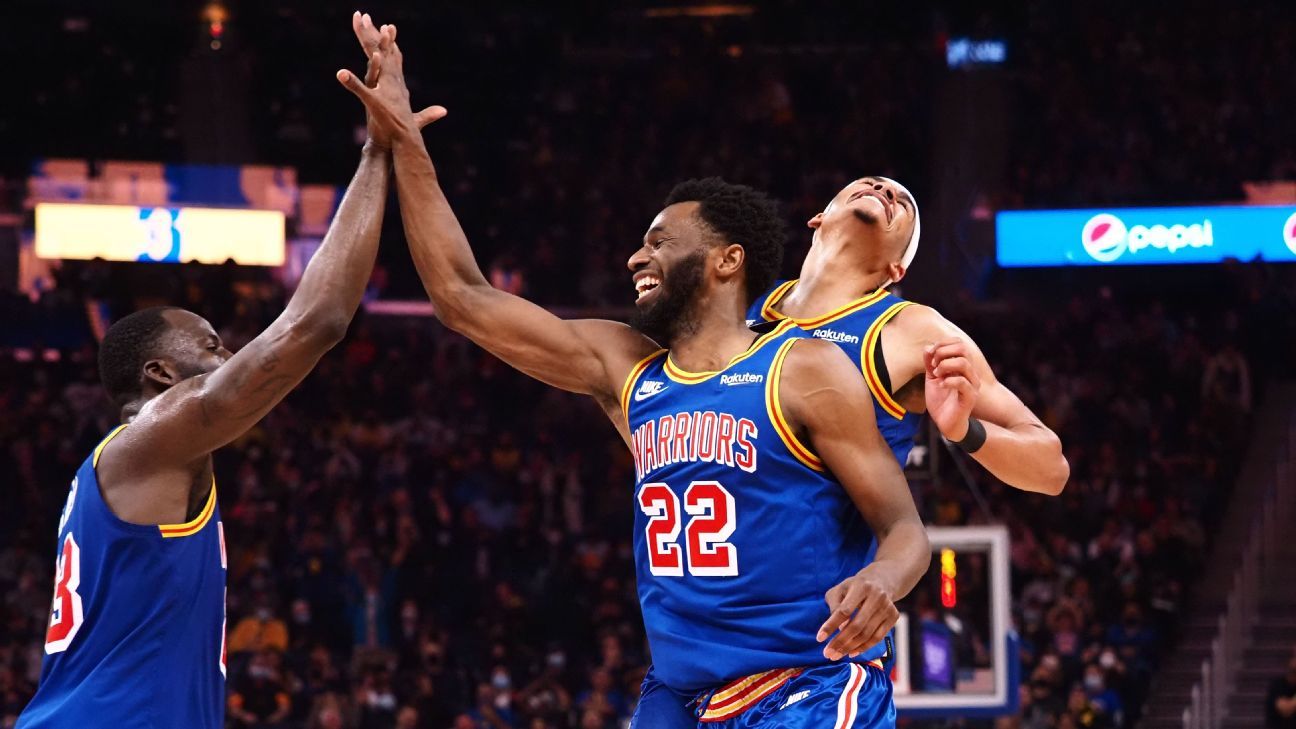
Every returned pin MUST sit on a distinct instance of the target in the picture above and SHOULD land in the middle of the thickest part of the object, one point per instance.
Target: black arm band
(975, 438)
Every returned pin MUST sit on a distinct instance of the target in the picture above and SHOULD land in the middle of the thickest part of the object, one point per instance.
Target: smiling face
(876, 216)
(669, 271)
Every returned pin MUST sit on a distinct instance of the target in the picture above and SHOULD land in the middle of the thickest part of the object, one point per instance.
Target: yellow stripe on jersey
(868, 363)
(635, 371)
(197, 523)
(785, 431)
(94, 462)
(768, 312)
(851, 308)
(692, 378)
(775, 296)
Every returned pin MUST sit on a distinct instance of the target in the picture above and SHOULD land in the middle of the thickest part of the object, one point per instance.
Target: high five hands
(383, 91)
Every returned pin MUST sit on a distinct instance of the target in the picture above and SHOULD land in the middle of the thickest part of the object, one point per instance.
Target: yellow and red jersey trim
(832, 316)
(197, 523)
(631, 379)
(868, 363)
(685, 377)
(775, 296)
(94, 461)
(735, 698)
(785, 431)
(767, 309)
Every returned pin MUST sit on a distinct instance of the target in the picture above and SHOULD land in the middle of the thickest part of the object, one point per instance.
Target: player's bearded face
(670, 311)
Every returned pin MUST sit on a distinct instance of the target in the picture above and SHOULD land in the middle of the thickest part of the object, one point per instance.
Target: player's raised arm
(974, 409)
(587, 356)
(197, 415)
(823, 395)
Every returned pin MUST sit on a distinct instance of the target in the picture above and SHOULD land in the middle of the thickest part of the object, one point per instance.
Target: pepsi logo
(1104, 237)
(1289, 233)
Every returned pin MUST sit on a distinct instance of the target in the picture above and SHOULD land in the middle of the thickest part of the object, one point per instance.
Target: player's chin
(867, 216)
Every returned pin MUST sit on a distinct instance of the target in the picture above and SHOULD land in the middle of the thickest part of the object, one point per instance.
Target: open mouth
(887, 205)
(645, 285)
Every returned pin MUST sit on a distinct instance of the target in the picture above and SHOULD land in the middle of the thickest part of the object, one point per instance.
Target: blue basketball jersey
(136, 637)
(739, 529)
(857, 329)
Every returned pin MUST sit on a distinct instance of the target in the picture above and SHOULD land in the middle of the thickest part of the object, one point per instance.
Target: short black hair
(741, 215)
(129, 343)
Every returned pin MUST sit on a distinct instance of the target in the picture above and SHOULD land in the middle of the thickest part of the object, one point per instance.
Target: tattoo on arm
(255, 394)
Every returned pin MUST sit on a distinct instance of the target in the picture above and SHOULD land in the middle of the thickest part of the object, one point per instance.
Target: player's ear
(896, 271)
(160, 373)
(815, 222)
(731, 260)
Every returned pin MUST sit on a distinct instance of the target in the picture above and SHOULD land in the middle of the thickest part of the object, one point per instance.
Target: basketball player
(863, 242)
(136, 634)
(755, 456)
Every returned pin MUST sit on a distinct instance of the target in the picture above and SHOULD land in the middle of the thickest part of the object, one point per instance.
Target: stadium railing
(1219, 670)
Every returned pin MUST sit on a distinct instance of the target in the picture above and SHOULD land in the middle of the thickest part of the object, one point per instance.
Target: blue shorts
(838, 695)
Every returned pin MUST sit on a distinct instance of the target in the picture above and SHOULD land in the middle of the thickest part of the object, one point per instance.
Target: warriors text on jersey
(857, 329)
(136, 637)
(739, 529)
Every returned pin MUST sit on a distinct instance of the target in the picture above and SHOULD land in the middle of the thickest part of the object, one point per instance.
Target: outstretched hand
(383, 90)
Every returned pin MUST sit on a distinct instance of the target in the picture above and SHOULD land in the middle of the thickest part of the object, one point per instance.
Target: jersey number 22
(707, 553)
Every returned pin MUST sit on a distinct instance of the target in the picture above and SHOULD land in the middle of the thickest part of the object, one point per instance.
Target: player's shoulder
(619, 345)
(922, 321)
(810, 358)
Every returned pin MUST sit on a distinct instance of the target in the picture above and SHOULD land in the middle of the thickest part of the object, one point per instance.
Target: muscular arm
(1019, 449)
(824, 397)
(203, 413)
(589, 356)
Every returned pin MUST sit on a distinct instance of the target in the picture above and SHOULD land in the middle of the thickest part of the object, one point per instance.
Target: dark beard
(670, 316)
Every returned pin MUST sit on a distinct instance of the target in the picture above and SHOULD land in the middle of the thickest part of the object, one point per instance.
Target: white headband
(911, 249)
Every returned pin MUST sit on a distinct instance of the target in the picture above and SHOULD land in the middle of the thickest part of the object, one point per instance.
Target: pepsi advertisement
(1145, 236)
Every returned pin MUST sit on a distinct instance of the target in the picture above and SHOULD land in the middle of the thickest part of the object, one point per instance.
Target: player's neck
(718, 333)
(131, 409)
(829, 280)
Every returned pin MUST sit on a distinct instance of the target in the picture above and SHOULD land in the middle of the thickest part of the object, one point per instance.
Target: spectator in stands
(1101, 697)
(259, 700)
(1280, 701)
(260, 631)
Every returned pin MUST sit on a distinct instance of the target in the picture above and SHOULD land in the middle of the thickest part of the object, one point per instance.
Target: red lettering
(665, 428)
(746, 459)
(649, 443)
(725, 439)
(680, 447)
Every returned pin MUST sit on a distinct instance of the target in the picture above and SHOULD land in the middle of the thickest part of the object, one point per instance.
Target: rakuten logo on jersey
(1289, 233)
(742, 378)
(835, 336)
(1106, 238)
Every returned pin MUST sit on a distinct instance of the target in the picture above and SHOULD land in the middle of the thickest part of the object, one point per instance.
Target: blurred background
(421, 537)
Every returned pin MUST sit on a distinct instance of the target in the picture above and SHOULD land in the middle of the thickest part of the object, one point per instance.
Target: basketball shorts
(838, 695)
